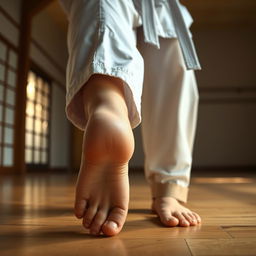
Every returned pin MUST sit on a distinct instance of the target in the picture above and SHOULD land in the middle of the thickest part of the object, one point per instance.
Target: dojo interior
(40, 150)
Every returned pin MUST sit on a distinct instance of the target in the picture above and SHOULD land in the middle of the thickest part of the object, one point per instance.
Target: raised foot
(172, 213)
(102, 190)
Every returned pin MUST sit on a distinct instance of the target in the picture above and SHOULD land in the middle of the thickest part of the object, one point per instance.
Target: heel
(108, 138)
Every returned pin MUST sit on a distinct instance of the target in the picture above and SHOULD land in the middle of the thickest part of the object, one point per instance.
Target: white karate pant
(169, 115)
(165, 101)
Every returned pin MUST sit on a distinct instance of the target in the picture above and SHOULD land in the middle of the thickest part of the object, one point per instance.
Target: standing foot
(172, 213)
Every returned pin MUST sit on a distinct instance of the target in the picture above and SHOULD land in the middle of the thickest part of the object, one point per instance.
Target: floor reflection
(220, 180)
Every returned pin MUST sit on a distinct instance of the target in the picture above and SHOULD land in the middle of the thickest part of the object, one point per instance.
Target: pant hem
(74, 106)
(170, 190)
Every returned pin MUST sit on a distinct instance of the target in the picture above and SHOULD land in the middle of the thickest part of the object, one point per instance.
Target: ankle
(103, 92)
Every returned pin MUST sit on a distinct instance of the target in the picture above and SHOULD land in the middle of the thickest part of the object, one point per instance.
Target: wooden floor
(36, 219)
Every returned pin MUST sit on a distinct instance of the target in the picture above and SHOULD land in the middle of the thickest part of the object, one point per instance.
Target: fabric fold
(185, 40)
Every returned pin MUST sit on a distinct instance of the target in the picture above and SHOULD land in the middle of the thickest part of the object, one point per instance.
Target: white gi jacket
(172, 21)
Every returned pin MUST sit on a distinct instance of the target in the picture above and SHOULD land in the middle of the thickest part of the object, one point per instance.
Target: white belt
(185, 41)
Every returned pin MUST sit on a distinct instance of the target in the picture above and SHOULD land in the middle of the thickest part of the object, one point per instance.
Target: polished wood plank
(78, 244)
(241, 231)
(222, 247)
(36, 218)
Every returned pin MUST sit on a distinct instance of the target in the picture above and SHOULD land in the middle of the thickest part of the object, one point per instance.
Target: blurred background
(34, 132)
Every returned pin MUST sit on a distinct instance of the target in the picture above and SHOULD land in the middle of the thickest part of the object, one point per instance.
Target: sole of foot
(102, 188)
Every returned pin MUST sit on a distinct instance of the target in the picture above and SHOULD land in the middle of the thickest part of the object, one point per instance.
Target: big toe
(170, 221)
(167, 219)
(114, 222)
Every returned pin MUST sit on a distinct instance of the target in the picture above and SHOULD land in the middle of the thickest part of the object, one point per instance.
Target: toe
(98, 221)
(89, 215)
(189, 218)
(182, 220)
(79, 208)
(198, 218)
(166, 218)
(193, 219)
(115, 221)
(170, 221)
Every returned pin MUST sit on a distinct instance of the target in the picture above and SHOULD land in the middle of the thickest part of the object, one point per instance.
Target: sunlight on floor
(220, 180)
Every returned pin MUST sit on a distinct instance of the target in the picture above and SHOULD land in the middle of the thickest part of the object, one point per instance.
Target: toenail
(171, 219)
(112, 224)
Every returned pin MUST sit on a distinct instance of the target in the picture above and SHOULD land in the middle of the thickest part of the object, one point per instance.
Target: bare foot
(172, 213)
(102, 190)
